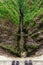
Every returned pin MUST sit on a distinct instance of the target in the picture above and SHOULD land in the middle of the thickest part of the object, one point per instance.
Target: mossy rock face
(21, 26)
(31, 10)
(33, 24)
(33, 18)
(8, 34)
(9, 24)
(35, 38)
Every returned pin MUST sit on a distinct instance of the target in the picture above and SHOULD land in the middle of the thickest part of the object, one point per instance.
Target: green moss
(33, 46)
(11, 50)
(10, 10)
(31, 9)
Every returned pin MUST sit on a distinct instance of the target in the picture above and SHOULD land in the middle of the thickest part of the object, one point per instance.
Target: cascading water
(21, 31)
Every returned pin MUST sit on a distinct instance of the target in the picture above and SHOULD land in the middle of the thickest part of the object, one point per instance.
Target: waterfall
(21, 31)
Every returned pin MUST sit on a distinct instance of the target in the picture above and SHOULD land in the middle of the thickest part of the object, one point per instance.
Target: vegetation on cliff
(21, 27)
